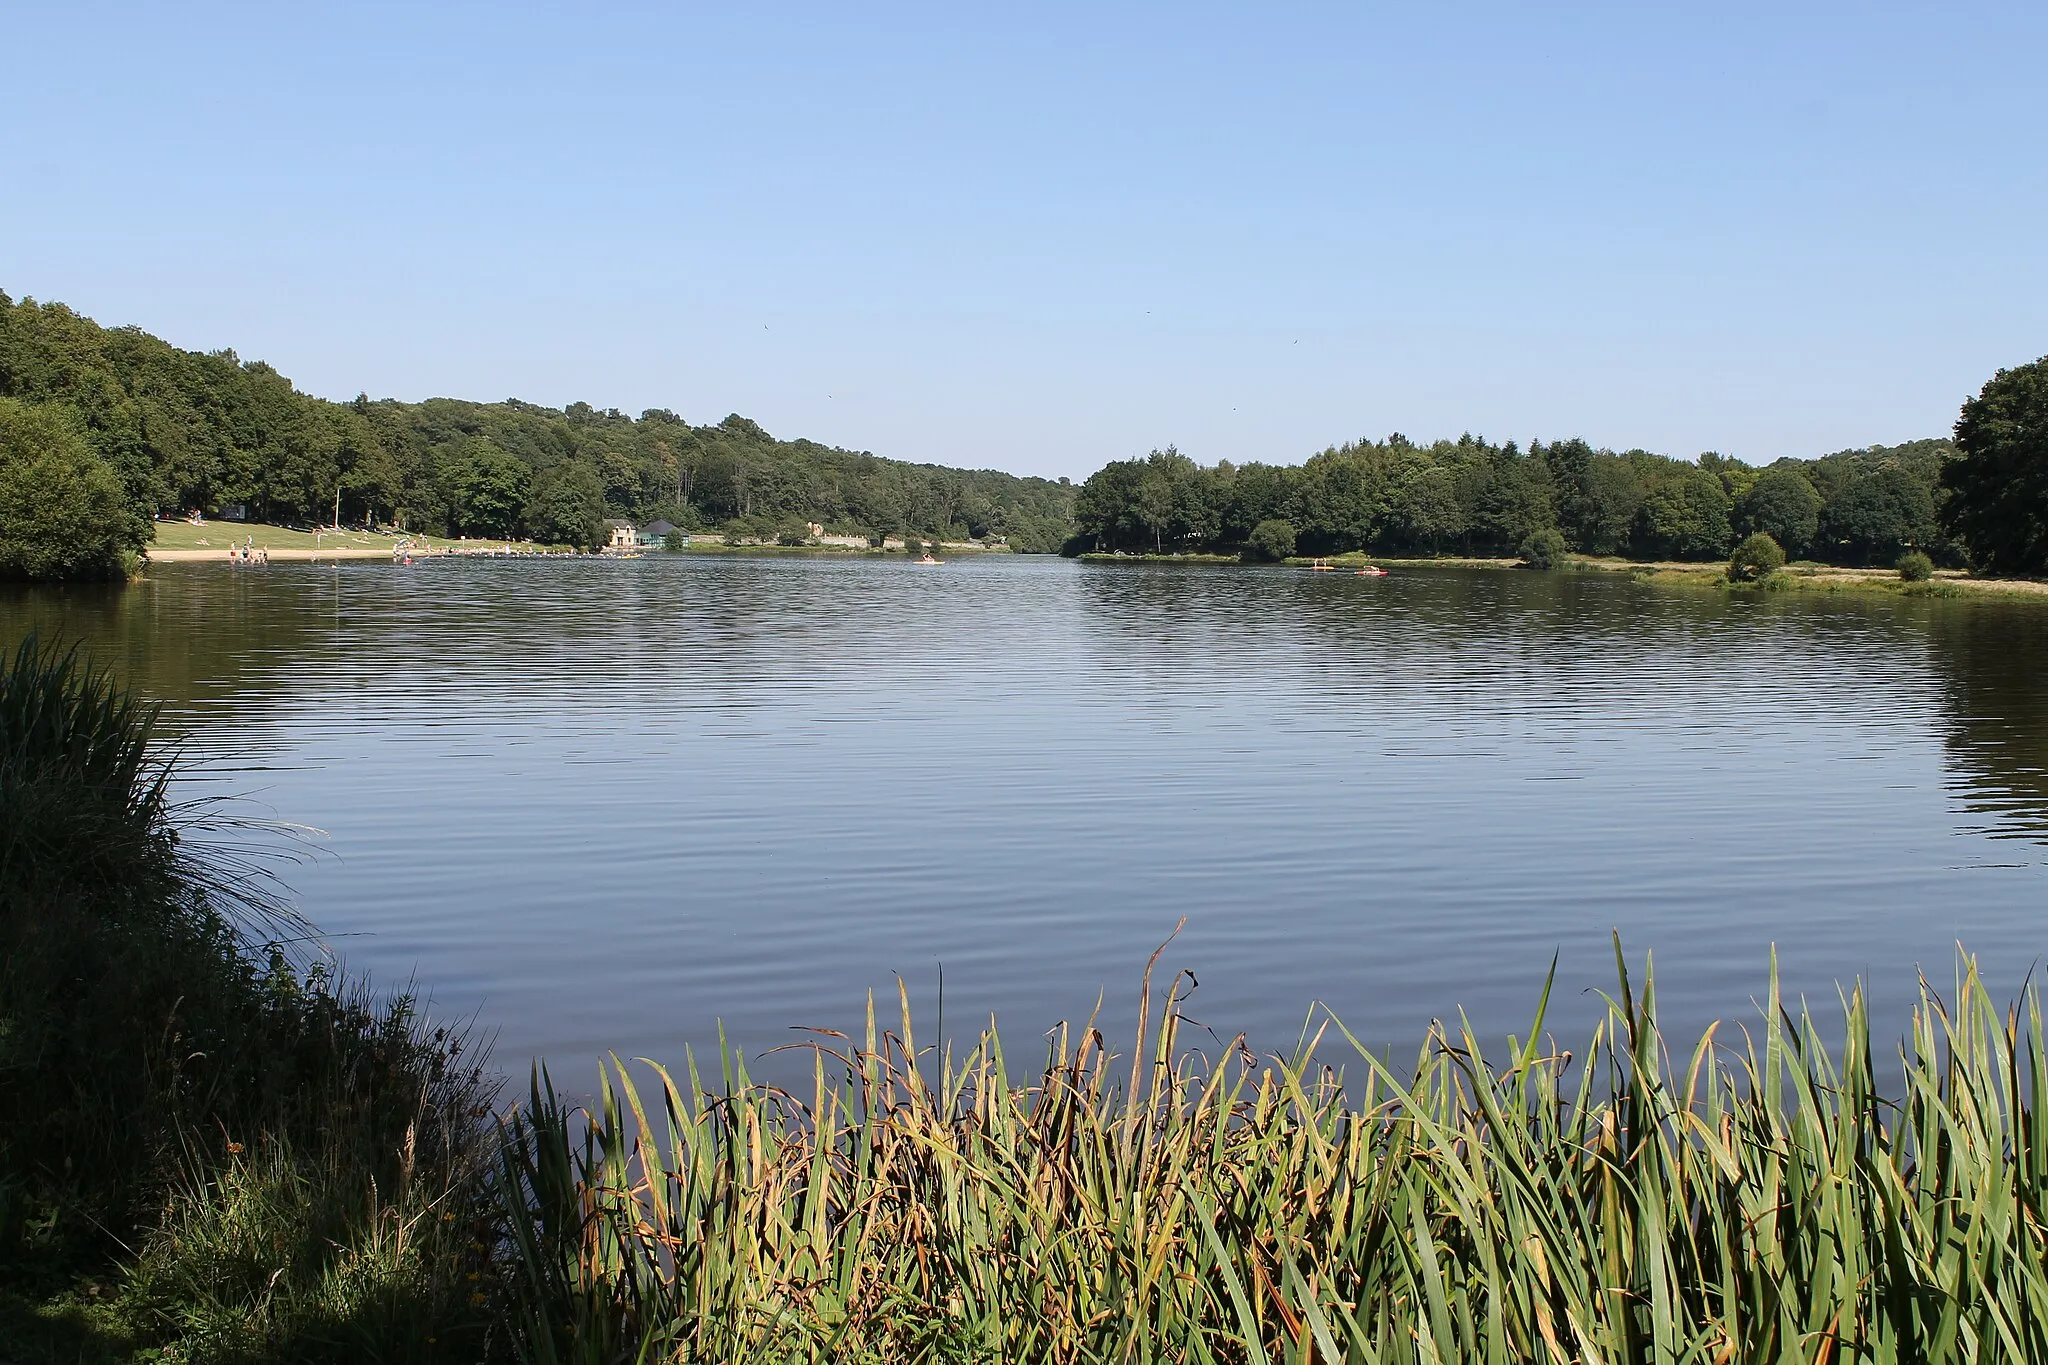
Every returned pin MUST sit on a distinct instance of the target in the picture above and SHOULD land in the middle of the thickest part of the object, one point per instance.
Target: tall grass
(270, 1161)
(1746, 1199)
(82, 790)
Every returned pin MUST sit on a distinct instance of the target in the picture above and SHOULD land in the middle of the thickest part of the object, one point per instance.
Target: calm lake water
(608, 805)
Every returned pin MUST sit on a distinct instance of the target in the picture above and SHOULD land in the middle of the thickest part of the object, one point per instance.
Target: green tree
(64, 513)
(486, 489)
(1545, 549)
(566, 506)
(1877, 514)
(1756, 558)
(1998, 485)
(1424, 506)
(1270, 541)
(1784, 505)
(186, 430)
(1685, 518)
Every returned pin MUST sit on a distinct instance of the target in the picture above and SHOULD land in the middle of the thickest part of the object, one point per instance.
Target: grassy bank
(1800, 577)
(1826, 578)
(219, 535)
(208, 1153)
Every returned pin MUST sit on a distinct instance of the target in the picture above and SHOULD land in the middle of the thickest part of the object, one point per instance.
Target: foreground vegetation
(1761, 1201)
(205, 1147)
(207, 1154)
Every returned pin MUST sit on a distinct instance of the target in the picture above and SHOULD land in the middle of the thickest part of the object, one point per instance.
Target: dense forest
(1470, 496)
(180, 430)
(185, 430)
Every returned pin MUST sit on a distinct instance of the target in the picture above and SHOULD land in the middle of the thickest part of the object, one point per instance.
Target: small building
(624, 537)
(654, 535)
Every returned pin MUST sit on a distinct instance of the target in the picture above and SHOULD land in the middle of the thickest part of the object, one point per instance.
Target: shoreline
(712, 547)
(1946, 583)
(353, 552)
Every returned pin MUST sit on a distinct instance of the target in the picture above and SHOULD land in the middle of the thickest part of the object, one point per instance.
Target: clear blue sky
(1042, 237)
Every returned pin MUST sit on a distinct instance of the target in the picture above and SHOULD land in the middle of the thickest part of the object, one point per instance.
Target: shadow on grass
(69, 1328)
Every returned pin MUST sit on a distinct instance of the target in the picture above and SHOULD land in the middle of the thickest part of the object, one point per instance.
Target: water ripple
(608, 804)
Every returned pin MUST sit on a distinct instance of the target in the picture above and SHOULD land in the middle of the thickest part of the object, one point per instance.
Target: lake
(608, 805)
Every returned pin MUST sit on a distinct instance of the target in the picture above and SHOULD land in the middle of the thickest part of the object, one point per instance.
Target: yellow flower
(234, 1149)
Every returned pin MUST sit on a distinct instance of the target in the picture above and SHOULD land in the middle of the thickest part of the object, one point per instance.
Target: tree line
(184, 430)
(103, 429)
(1474, 497)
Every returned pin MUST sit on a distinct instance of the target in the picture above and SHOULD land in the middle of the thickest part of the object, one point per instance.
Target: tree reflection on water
(1989, 656)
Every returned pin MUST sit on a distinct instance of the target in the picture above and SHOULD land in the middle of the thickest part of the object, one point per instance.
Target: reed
(1747, 1200)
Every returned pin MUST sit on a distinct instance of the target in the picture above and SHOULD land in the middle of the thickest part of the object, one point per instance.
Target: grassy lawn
(219, 535)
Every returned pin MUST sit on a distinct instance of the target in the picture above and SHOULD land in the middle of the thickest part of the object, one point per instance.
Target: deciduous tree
(64, 513)
(1998, 484)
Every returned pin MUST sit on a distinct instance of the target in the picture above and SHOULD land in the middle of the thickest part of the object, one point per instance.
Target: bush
(1757, 557)
(1545, 549)
(913, 546)
(1270, 542)
(1915, 567)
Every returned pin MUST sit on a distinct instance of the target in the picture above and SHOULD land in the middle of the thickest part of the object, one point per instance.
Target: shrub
(1271, 541)
(1915, 567)
(1545, 549)
(913, 546)
(1757, 557)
